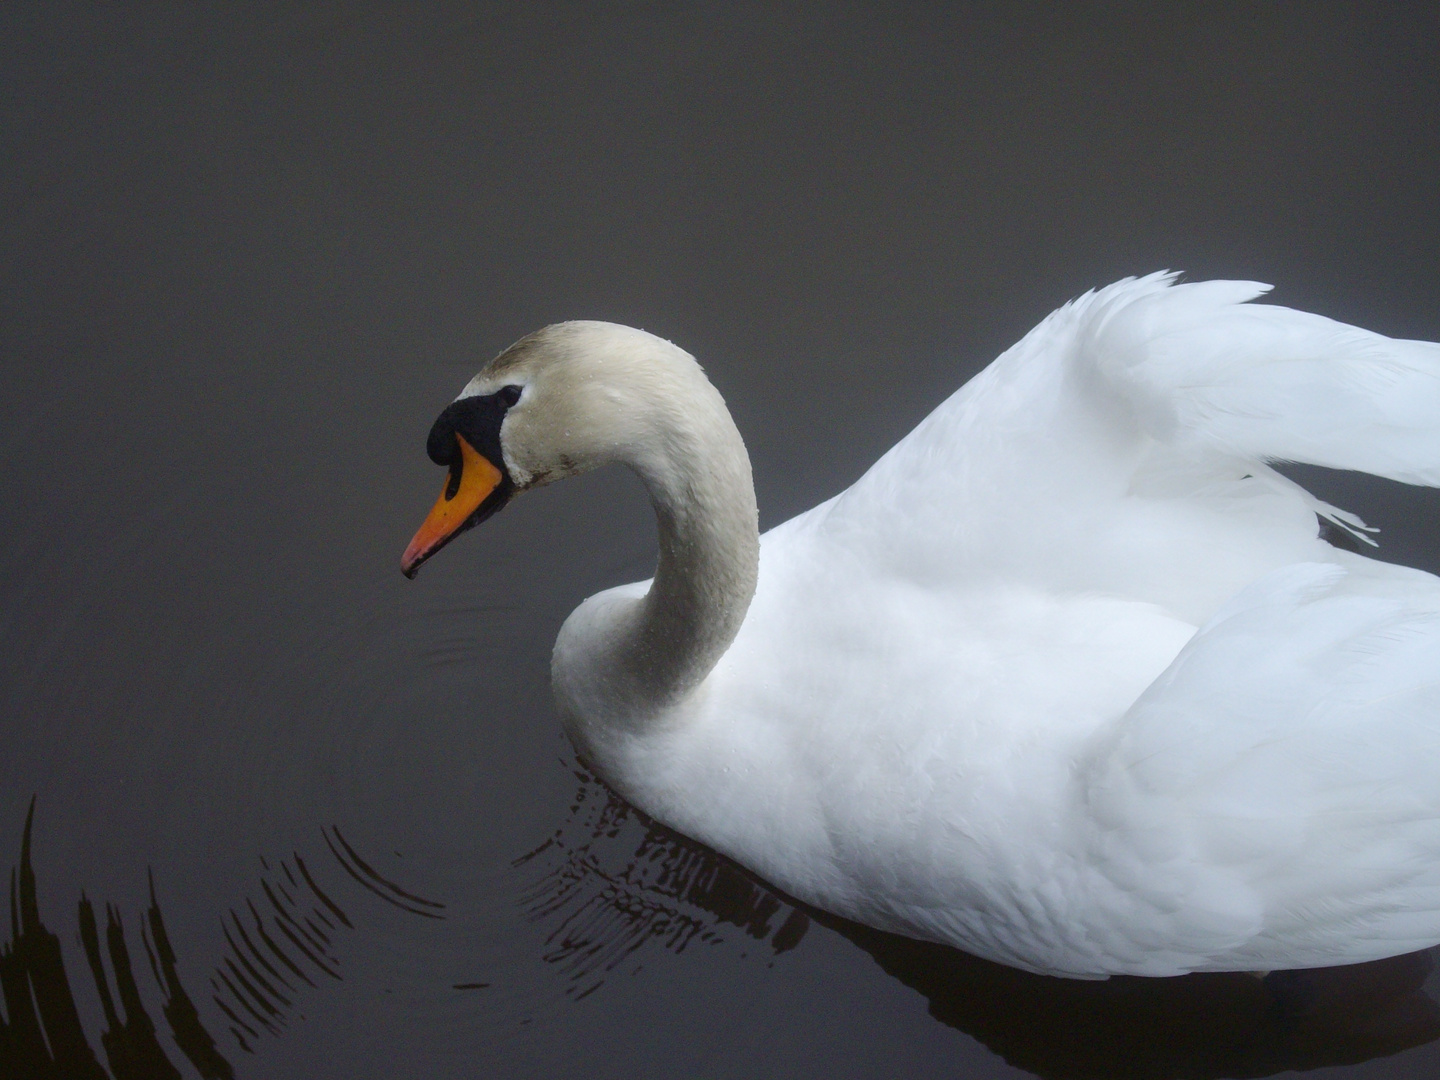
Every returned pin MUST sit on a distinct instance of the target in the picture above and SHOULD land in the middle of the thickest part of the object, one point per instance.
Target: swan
(1069, 679)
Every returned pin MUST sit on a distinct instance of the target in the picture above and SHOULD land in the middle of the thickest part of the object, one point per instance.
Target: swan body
(1067, 679)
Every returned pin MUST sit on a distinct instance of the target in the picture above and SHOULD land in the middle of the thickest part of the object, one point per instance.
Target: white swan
(1067, 679)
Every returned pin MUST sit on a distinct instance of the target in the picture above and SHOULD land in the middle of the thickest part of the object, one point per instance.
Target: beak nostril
(457, 469)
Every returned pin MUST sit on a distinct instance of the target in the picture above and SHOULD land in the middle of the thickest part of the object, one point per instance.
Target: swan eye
(507, 396)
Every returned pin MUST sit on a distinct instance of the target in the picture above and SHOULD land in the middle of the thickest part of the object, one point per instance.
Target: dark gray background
(248, 254)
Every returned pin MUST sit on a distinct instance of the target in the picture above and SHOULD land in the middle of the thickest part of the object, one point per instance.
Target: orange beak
(456, 508)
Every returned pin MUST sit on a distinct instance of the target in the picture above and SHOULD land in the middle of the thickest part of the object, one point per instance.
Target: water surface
(273, 811)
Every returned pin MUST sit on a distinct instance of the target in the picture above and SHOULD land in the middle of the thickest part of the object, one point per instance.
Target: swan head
(559, 402)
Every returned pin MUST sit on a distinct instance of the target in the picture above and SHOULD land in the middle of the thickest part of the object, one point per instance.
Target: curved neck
(698, 476)
(623, 662)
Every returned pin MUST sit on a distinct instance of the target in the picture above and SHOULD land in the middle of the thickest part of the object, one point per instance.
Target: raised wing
(1121, 447)
(1203, 368)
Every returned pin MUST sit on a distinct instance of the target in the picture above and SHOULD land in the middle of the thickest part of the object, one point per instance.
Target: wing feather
(1279, 784)
(1204, 368)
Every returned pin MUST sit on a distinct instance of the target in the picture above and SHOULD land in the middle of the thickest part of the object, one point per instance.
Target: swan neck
(698, 476)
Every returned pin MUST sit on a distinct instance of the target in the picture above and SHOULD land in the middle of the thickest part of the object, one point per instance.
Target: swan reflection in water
(610, 883)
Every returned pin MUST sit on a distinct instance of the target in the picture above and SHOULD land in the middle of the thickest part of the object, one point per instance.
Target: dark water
(273, 811)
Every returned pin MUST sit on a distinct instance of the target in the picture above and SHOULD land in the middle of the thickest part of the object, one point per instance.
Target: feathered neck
(626, 661)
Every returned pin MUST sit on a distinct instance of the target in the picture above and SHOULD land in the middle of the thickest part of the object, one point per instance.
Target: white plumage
(1067, 679)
